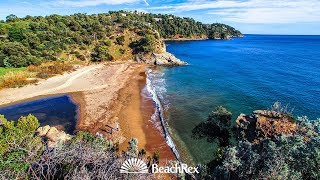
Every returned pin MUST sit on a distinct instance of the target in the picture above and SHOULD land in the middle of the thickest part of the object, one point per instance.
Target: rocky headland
(161, 59)
(265, 123)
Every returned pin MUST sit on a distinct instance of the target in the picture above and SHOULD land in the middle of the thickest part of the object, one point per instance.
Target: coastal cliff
(162, 59)
(265, 123)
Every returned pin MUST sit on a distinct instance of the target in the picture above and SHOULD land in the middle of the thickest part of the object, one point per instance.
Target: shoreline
(187, 39)
(159, 113)
(106, 94)
(133, 110)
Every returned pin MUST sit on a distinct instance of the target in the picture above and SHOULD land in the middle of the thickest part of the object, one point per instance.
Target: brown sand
(107, 94)
(130, 111)
(135, 118)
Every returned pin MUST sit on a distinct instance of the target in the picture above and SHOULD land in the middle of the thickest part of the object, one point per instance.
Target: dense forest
(98, 37)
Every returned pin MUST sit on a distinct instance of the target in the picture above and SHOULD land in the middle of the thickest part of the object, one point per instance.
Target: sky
(300, 17)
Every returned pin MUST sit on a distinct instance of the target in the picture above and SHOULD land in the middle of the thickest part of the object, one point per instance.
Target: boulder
(42, 131)
(161, 59)
(53, 135)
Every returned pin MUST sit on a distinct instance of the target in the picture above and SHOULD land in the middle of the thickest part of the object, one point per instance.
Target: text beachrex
(138, 166)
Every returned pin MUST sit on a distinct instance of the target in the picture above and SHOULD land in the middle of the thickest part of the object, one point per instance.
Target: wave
(152, 89)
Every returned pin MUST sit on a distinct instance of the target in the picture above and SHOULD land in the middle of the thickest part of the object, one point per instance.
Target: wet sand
(135, 118)
(132, 110)
(107, 95)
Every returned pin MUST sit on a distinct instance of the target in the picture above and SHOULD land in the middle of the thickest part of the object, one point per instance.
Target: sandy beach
(107, 95)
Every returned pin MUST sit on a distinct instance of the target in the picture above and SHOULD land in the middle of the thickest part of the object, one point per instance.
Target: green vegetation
(4, 71)
(18, 145)
(145, 44)
(49, 69)
(98, 37)
(24, 155)
(217, 127)
(269, 144)
(16, 79)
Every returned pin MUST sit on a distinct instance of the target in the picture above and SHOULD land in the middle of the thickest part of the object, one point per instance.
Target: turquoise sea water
(243, 74)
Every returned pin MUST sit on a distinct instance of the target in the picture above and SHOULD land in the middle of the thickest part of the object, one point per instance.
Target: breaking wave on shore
(156, 87)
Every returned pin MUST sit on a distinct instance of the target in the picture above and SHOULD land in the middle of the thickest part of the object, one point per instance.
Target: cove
(243, 75)
(58, 110)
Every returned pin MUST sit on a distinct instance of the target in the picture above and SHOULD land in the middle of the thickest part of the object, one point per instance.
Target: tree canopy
(32, 40)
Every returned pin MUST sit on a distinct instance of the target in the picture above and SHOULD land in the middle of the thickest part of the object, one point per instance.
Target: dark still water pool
(243, 75)
(54, 111)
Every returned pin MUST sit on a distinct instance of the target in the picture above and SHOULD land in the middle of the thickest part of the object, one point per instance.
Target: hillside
(99, 37)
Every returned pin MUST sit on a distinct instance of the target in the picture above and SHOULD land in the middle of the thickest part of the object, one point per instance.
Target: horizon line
(281, 34)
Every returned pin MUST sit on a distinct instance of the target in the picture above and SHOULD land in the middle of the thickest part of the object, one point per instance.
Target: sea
(242, 74)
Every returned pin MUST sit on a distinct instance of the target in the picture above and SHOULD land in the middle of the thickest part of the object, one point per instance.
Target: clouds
(237, 11)
(86, 3)
(252, 11)
(225, 11)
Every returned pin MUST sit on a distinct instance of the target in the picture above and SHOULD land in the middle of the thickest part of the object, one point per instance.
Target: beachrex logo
(177, 168)
(135, 165)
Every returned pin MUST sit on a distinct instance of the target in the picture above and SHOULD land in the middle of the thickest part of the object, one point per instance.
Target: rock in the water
(161, 59)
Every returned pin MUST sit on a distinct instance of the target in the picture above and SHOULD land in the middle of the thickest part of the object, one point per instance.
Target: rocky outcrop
(42, 131)
(264, 123)
(161, 59)
(53, 135)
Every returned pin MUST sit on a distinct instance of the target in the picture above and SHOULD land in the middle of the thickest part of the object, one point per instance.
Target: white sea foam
(156, 88)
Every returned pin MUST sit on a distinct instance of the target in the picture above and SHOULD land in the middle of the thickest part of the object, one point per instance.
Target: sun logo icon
(134, 165)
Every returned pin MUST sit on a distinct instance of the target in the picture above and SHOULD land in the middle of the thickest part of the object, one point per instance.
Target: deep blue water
(55, 110)
(243, 74)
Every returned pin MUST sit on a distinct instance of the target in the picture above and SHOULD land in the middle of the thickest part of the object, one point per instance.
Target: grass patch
(18, 77)
(4, 71)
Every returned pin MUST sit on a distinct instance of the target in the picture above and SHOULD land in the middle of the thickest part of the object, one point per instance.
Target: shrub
(120, 40)
(16, 79)
(47, 70)
(280, 157)
(145, 44)
(18, 146)
(101, 53)
(81, 57)
(133, 150)
(24, 156)
(86, 157)
(107, 42)
(122, 51)
(15, 54)
(217, 127)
